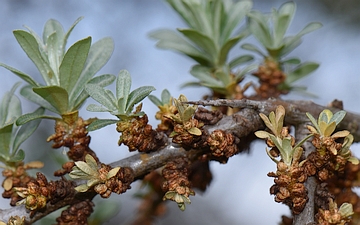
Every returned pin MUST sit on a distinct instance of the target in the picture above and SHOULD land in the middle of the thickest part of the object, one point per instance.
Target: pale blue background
(239, 193)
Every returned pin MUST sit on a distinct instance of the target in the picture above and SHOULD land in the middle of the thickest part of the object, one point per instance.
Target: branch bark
(241, 124)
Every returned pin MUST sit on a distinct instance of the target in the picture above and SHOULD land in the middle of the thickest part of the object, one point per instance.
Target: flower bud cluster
(270, 77)
(17, 177)
(177, 185)
(74, 136)
(222, 144)
(76, 214)
(289, 186)
(137, 134)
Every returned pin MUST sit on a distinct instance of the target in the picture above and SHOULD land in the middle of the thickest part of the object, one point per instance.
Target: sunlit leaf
(55, 95)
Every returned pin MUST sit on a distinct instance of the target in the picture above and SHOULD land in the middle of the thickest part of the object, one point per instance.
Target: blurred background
(239, 193)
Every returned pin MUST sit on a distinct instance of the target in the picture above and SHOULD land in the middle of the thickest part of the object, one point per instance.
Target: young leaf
(18, 156)
(123, 86)
(137, 96)
(301, 71)
(5, 139)
(100, 95)
(73, 63)
(10, 107)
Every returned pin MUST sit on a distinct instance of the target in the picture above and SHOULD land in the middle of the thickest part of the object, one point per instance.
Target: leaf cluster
(65, 72)
(120, 105)
(289, 152)
(89, 170)
(270, 30)
(208, 40)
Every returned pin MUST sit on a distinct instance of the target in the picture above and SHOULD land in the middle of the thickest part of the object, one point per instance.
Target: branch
(241, 124)
(307, 215)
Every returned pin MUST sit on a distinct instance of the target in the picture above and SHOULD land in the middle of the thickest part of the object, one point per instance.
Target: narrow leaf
(29, 44)
(98, 56)
(73, 63)
(137, 96)
(155, 100)
(100, 123)
(27, 130)
(240, 60)
(100, 95)
(301, 71)
(31, 116)
(25, 77)
(5, 139)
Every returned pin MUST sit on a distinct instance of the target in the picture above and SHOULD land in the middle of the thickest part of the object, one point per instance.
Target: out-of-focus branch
(307, 215)
(241, 124)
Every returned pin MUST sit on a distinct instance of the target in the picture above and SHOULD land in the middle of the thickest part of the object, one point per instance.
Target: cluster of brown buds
(222, 145)
(335, 215)
(177, 185)
(290, 175)
(330, 156)
(73, 135)
(102, 178)
(77, 213)
(137, 134)
(270, 77)
(17, 177)
(40, 191)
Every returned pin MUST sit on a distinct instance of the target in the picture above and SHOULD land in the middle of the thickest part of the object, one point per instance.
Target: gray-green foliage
(12, 136)
(65, 72)
(120, 104)
(270, 30)
(208, 40)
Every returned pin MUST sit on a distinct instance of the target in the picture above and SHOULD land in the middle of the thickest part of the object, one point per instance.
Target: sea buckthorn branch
(241, 124)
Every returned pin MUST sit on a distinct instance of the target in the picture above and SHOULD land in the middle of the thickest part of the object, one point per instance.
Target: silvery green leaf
(258, 25)
(10, 106)
(155, 100)
(240, 60)
(55, 95)
(100, 123)
(202, 41)
(82, 188)
(96, 108)
(253, 48)
(27, 130)
(225, 49)
(137, 96)
(29, 44)
(100, 95)
(102, 80)
(52, 53)
(91, 162)
(338, 117)
(66, 36)
(98, 56)
(92, 182)
(52, 26)
(31, 116)
(301, 71)
(25, 77)
(28, 93)
(73, 63)
(313, 121)
(168, 39)
(165, 96)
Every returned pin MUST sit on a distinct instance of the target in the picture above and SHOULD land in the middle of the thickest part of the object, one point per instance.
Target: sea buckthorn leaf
(155, 100)
(10, 107)
(98, 56)
(25, 77)
(100, 95)
(281, 20)
(86, 169)
(28, 93)
(100, 123)
(168, 39)
(123, 86)
(338, 117)
(56, 96)
(242, 59)
(91, 162)
(66, 36)
(73, 63)
(166, 96)
(112, 172)
(29, 44)
(82, 188)
(137, 96)
(102, 81)
(27, 130)
(301, 71)
(31, 116)
(53, 53)
(53, 26)
(5, 139)
(225, 49)
(17, 156)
